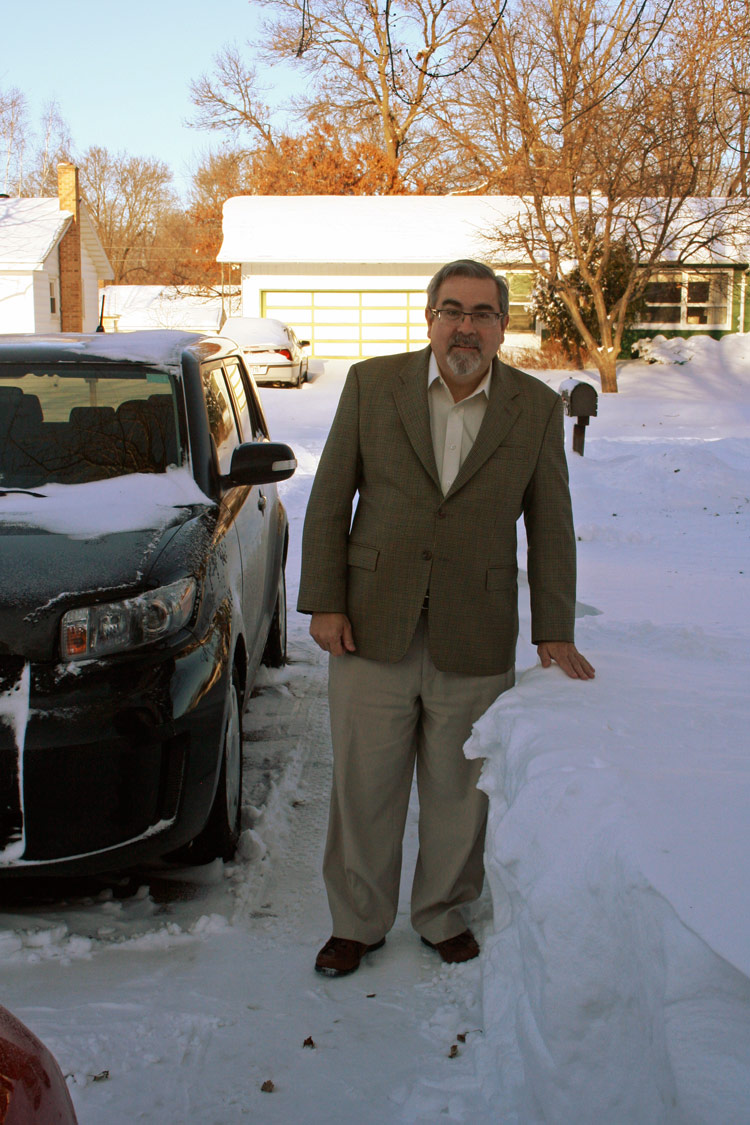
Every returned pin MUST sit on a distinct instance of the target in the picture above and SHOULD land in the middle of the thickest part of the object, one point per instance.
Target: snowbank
(617, 984)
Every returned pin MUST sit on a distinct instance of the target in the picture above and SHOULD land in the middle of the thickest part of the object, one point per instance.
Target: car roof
(162, 348)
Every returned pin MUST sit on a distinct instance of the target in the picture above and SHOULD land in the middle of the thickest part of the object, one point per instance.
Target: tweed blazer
(407, 538)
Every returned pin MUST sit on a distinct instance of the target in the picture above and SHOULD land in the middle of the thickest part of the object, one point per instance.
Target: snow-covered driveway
(180, 1003)
(618, 992)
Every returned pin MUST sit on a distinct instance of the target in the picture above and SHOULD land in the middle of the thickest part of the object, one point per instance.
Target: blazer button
(441, 514)
(427, 555)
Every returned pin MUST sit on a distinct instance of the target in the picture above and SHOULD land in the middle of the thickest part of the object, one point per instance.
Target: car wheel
(222, 829)
(274, 654)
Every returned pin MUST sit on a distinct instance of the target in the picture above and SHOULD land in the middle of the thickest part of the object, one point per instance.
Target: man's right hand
(333, 632)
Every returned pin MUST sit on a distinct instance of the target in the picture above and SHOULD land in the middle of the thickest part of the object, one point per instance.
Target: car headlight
(100, 630)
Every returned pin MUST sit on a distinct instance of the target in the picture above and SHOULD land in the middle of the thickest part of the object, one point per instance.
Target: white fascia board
(90, 239)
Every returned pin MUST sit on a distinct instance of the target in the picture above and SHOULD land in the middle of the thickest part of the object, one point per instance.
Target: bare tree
(129, 198)
(14, 129)
(231, 99)
(592, 109)
(55, 145)
(726, 25)
(219, 176)
(30, 155)
(371, 71)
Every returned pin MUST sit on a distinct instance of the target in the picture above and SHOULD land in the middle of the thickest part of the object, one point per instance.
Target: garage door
(351, 324)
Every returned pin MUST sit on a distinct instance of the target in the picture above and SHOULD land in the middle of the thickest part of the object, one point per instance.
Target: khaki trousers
(384, 717)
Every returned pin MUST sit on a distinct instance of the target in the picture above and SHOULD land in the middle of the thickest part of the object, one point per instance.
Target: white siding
(16, 302)
(25, 298)
(90, 290)
(44, 319)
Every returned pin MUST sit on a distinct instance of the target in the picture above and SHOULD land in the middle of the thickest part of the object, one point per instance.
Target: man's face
(465, 350)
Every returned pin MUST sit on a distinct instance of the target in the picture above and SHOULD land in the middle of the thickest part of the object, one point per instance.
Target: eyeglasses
(484, 317)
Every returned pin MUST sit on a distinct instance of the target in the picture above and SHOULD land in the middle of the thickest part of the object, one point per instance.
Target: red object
(32, 1086)
(283, 351)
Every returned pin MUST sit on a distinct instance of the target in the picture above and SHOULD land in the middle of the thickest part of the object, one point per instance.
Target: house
(51, 262)
(130, 308)
(349, 272)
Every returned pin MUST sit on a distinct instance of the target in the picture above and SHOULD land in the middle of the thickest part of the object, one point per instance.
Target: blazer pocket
(501, 577)
(364, 557)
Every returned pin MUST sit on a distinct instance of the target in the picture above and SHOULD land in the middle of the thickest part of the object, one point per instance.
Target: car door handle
(262, 502)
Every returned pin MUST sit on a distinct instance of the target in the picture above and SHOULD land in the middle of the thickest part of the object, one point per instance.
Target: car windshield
(70, 424)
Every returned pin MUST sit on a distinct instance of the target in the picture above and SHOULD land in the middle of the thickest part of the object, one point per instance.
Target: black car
(142, 552)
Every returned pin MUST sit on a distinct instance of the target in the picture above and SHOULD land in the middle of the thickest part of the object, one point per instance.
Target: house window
(683, 299)
(53, 298)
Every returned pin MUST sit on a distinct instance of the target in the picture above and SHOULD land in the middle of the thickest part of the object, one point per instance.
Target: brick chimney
(71, 282)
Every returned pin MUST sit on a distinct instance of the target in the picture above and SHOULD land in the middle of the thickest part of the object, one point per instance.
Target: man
(416, 602)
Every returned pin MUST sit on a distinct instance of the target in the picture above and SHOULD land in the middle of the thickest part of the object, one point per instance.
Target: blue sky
(121, 72)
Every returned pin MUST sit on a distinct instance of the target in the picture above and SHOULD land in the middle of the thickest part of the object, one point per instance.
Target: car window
(252, 423)
(221, 420)
(74, 423)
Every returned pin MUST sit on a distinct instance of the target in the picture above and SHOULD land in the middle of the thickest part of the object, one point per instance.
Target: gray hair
(466, 267)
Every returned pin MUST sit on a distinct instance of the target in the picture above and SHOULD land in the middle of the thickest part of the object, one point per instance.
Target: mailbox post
(580, 401)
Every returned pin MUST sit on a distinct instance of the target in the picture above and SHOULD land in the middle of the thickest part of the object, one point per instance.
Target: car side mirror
(304, 343)
(260, 462)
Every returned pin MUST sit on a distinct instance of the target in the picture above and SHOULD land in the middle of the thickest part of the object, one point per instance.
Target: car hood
(44, 573)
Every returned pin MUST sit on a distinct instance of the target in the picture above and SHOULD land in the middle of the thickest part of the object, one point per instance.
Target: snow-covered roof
(359, 228)
(119, 299)
(30, 229)
(162, 306)
(429, 229)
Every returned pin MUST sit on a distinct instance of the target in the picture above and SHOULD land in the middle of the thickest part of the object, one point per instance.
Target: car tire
(219, 836)
(274, 654)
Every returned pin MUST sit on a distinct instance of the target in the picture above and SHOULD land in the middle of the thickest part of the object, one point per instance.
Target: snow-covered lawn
(613, 988)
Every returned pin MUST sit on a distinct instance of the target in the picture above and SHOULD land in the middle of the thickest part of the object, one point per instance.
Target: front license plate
(256, 369)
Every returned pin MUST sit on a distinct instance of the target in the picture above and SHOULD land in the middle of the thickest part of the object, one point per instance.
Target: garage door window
(347, 324)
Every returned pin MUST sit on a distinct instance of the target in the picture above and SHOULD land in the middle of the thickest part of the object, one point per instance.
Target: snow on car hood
(135, 502)
(65, 545)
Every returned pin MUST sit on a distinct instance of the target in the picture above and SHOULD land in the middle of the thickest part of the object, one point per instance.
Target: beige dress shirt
(454, 425)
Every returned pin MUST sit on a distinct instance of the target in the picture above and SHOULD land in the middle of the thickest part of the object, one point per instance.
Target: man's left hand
(565, 653)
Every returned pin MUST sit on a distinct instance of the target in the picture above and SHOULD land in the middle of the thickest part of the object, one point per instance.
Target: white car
(272, 351)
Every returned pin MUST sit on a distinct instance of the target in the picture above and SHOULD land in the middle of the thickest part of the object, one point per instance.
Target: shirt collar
(433, 374)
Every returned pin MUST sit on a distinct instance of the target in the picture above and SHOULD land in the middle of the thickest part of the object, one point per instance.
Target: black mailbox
(580, 401)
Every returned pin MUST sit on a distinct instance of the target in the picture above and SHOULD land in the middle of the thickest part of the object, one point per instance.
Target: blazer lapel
(502, 411)
(410, 394)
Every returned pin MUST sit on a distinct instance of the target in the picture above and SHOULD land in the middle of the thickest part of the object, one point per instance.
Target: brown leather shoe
(462, 947)
(340, 956)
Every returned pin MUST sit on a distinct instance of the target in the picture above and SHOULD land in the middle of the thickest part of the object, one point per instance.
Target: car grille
(10, 805)
(85, 798)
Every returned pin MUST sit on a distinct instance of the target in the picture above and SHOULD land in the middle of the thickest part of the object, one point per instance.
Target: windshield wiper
(22, 491)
